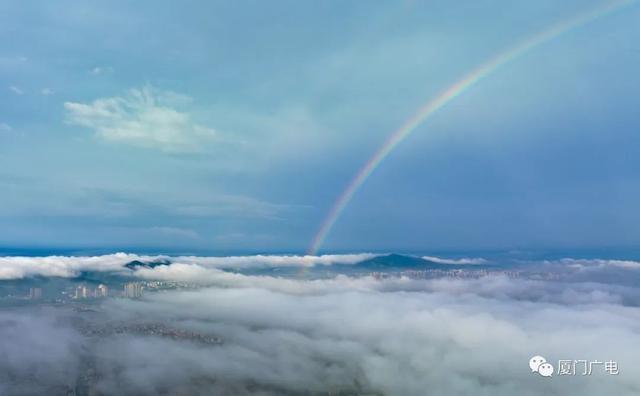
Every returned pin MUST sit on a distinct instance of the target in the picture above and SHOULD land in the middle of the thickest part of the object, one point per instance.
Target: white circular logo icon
(535, 362)
(545, 369)
(538, 364)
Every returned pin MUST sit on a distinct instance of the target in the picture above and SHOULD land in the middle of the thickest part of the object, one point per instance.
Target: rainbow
(450, 93)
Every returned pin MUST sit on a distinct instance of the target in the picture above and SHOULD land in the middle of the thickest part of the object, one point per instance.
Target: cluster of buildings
(443, 273)
(133, 290)
(35, 293)
(88, 292)
(83, 292)
(130, 290)
(148, 329)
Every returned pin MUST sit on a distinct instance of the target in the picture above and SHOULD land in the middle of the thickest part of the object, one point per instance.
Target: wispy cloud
(145, 117)
(12, 60)
(46, 91)
(16, 90)
(464, 260)
(587, 264)
(176, 232)
(5, 127)
(99, 70)
(232, 205)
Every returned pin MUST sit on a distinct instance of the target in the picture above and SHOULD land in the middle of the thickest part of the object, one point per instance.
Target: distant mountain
(386, 263)
(391, 261)
(395, 261)
(135, 264)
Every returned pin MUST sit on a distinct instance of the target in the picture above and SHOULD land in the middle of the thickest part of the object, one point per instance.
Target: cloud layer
(71, 266)
(394, 337)
(18, 267)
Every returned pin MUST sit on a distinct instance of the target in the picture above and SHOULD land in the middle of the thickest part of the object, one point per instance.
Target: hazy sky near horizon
(235, 125)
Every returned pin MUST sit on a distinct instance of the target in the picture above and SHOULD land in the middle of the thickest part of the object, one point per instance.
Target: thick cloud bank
(352, 335)
(71, 266)
(19, 267)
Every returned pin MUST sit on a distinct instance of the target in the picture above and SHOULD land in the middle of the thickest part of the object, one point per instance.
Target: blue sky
(233, 126)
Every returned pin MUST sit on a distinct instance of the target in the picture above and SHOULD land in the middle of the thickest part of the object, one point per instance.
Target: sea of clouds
(395, 336)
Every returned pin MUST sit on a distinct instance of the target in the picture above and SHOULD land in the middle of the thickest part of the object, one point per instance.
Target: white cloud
(70, 266)
(465, 260)
(207, 269)
(52, 355)
(368, 340)
(279, 336)
(594, 264)
(491, 286)
(98, 70)
(62, 266)
(16, 90)
(46, 91)
(5, 127)
(143, 117)
(238, 262)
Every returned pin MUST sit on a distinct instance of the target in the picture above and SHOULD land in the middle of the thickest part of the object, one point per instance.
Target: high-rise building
(133, 290)
(102, 291)
(35, 293)
(82, 292)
